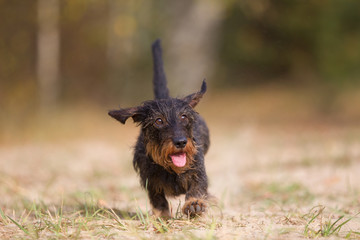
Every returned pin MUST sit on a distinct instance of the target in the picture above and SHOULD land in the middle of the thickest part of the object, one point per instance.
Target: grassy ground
(279, 171)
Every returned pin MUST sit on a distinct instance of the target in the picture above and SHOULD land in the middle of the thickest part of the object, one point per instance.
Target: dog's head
(167, 125)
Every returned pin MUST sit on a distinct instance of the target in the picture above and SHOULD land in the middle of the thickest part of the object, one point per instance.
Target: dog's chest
(175, 185)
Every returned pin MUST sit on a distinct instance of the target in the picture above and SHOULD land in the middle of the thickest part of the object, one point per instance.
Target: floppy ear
(193, 99)
(123, 114)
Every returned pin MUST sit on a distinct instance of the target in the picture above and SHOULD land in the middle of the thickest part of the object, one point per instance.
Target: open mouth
(179, 159)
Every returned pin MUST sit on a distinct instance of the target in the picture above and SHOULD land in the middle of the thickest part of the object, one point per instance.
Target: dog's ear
(194, 99)
(123, 114)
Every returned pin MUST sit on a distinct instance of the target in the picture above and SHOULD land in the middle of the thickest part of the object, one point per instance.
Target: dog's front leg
(160, 205)
(195, 198)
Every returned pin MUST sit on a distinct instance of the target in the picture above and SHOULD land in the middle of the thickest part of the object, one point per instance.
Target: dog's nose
(180, 142)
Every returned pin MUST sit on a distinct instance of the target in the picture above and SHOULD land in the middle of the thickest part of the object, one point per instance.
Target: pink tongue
(179, 160)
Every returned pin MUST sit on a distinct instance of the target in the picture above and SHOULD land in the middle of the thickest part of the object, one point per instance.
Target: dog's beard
(170, 157)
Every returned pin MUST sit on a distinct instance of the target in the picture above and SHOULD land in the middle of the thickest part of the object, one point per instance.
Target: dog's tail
(160, 89)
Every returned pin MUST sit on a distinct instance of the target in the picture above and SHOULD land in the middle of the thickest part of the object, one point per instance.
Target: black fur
(159, 81)
(178, 120)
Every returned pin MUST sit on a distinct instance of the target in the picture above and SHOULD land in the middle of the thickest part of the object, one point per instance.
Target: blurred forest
(56, 52)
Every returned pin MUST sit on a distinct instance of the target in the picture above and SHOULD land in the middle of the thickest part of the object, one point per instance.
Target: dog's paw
(165, 214)
(194, 207)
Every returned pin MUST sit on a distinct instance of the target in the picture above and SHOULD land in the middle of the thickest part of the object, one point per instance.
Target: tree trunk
(192, 44)
(48, 44)
(119, 46)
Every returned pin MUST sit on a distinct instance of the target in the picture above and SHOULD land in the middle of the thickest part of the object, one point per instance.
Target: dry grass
(71, 177)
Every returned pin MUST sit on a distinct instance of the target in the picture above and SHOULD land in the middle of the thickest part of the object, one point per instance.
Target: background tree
(48, 45)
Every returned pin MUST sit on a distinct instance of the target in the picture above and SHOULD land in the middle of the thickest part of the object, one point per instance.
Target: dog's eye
(183, 117)
(159, 122)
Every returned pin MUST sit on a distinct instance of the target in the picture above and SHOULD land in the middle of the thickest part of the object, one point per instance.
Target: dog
(169, 153)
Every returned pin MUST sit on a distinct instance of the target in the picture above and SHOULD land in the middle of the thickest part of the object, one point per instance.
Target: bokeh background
(263, 59)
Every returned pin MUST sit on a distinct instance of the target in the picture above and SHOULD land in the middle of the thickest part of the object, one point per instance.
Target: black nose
(180, 142)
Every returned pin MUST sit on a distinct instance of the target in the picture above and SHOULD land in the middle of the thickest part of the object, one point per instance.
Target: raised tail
(160, 89)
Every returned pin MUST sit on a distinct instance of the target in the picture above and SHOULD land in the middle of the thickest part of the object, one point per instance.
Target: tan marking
(159, 213)
(161, 155)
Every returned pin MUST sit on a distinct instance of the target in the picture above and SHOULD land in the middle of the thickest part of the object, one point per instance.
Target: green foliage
(328, 227)
(284, 38)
